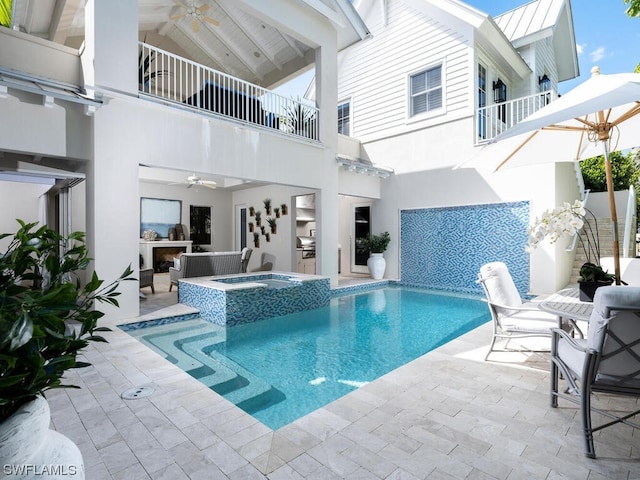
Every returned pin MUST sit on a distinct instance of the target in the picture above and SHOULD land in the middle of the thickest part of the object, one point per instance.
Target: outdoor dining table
(566, 304)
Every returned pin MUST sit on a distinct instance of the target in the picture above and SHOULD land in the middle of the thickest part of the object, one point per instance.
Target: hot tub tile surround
(237, 299)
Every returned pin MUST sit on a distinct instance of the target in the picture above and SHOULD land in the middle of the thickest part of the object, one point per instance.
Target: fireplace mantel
(146, 248)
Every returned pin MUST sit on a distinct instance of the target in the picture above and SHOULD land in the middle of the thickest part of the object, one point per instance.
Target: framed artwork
(160, 215)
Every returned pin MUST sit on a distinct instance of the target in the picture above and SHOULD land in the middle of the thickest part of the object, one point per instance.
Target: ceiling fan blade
(210, 20)
(213, 187)
(195, 25)
(177, 17)
(202, 8)
(210, 182)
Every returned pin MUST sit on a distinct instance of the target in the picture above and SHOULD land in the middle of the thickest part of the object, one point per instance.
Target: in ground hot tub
(245, 298)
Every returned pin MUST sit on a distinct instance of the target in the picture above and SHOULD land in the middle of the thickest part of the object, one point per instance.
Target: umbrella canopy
(598, 116)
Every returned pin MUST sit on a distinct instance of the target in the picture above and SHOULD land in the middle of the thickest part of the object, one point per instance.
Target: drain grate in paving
(136, 393)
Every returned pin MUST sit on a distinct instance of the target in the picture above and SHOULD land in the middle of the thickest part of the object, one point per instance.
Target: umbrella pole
(612, 207)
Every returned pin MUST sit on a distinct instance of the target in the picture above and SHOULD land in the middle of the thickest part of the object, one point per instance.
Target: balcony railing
(495, 119)
(177, 80)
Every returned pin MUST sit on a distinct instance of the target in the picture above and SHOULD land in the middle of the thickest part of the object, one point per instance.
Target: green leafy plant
(46, 316)
(374, 243)
(590, 272)
(267, 205)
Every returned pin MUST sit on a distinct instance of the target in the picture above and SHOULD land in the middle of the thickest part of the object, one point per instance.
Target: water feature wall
(444, 248)
(242, 299)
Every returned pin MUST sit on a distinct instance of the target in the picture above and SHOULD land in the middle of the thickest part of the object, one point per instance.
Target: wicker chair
(146, 279)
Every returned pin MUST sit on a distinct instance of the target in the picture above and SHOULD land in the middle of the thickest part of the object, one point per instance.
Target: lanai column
(327, 207)
(110, 64)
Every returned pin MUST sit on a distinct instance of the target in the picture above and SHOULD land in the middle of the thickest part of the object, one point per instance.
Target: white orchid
(561, 222)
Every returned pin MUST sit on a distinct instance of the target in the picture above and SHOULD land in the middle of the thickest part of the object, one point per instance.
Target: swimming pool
(283, 368)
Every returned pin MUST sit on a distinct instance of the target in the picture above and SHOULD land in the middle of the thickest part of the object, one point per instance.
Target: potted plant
(375, 246)
(592, 277)
(566, 221)
(252, 211)
(258, 218)
(46, 318)
(267, 206)
(256, 239)
(276, 210)
(251, 227)
(285, 208)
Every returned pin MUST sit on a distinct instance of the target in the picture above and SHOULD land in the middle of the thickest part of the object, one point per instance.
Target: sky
(605, 36)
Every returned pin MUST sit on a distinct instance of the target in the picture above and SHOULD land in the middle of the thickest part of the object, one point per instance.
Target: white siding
(375, 73)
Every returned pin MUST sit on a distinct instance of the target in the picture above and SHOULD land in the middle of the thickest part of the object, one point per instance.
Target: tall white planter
(377, 265)
(29, 450)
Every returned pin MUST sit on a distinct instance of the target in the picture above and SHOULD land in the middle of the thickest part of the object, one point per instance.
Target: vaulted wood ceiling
(222, 34)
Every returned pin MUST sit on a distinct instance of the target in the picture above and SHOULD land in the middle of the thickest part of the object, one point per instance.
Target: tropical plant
(267, 205)
(144, 63)
(301, 120)
(374, 243)
(624, 168)
(46, 316)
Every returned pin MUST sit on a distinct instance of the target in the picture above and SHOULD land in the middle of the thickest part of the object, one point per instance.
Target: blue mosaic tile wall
(444, 248)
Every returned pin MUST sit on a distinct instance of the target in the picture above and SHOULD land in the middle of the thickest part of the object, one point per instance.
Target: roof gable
(542, 19)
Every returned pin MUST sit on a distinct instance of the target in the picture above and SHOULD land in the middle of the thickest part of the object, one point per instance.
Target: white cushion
(499, 284)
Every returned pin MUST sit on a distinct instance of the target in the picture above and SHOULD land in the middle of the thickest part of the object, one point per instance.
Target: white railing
(171, 78)
(495, 119)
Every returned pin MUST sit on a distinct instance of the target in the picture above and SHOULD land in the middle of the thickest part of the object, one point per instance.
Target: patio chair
(608, 361)
(512, 318)
(146, 279)
(244, 259)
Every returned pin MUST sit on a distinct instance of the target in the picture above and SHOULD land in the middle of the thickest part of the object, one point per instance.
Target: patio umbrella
(598, 116)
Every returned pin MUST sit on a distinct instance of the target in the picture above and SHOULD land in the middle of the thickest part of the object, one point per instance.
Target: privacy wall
(444, 248)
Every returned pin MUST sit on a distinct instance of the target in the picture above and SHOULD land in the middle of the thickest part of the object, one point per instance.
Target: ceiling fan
(197, 181)
(196, 13)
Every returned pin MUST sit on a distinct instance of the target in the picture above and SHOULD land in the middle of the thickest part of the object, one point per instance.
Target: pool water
(283, 368)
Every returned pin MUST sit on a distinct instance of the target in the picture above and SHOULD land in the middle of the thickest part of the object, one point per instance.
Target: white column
(113, 205)
(327, 201)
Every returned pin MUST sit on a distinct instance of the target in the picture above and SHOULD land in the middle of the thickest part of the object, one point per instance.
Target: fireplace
(163, 257)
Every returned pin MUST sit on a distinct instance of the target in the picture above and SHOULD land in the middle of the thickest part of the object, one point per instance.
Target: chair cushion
(530, 321)
(499, 284)
(572, 358)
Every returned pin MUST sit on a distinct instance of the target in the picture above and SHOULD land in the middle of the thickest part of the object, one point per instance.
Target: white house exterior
(72, 107)
(456, 48)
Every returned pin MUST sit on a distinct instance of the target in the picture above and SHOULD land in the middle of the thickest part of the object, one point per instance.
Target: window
(426, 91)
(482, 102)
(344, 118)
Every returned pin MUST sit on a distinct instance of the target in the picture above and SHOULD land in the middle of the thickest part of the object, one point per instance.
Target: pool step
(230, 380)
(191, 347)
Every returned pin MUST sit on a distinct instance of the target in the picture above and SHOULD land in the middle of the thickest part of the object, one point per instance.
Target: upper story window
(426, 91)
(344, 118)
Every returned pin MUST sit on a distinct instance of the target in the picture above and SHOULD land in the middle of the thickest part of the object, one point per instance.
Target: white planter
(29, 450)
(377, 265)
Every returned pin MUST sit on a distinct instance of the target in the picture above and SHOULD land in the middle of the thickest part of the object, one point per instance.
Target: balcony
(495, 119)
(163, 76)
